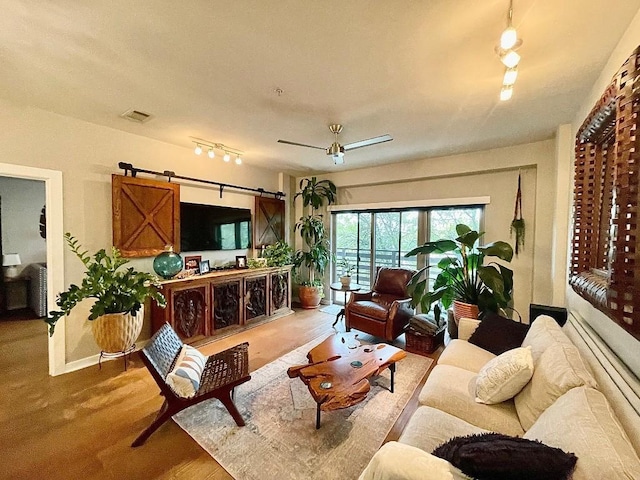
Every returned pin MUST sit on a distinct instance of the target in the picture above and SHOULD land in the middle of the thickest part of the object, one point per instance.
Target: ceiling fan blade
(369, 141)
(300, 144)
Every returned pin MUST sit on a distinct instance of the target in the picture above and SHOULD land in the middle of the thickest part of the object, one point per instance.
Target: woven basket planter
(464, 310)
(423, 344)
(117, 332)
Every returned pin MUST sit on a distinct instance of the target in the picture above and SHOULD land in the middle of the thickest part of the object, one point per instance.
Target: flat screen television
(213, 227)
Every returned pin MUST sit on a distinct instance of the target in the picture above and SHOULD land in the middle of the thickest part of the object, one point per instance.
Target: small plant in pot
(119, 295)
(347, 270)
(312, 259)
(464, 280)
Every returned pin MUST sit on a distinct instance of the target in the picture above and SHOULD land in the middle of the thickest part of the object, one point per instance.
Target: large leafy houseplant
(463, 275)
(312, 259)
(279, 254)
(115, 290)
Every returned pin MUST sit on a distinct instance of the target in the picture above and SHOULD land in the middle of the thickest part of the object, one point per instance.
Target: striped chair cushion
(184, 378)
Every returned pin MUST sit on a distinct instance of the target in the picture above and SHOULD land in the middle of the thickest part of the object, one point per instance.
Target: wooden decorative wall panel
(269, 221)
(146, 216)
(605, 263)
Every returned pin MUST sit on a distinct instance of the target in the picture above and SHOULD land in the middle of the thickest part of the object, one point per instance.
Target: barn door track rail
(128, 168)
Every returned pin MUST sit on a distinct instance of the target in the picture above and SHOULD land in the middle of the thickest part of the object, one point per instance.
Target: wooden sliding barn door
(146, 216)
(269, 221)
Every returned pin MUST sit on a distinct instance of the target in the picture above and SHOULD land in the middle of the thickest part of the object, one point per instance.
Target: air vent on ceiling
(136, 116)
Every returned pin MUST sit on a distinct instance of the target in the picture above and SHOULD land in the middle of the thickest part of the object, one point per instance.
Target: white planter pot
(345, 281)
(117, 332)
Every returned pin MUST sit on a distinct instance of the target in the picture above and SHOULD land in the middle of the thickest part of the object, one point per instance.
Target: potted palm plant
(312, 259)
(464, 280)
(119, 295)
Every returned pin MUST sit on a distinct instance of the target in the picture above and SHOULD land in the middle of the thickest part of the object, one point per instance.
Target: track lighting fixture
(212, 146)
(506, 50)
(506, 92)
(510, 76)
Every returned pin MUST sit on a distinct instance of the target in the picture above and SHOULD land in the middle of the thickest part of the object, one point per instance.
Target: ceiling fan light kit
(506, 50)
(212, 146)
(335, 150)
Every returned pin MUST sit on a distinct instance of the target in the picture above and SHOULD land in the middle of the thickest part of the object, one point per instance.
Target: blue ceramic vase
(167, 264)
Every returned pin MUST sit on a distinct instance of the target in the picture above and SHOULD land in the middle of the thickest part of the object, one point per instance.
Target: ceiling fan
(336, 150)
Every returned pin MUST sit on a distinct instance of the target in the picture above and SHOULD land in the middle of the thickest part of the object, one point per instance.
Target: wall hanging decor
(605, 261)
(517, 224)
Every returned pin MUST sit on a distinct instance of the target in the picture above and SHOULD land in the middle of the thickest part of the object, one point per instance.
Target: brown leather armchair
(386, 310)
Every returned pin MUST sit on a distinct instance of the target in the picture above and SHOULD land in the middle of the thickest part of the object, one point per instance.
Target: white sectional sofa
(562, 406)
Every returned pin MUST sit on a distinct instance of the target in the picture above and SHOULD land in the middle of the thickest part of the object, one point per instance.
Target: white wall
(87, 155)
(490, 173)
(621, 342)
(22, 202)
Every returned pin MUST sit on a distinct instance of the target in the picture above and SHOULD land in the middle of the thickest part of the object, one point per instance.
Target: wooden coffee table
(339, 370)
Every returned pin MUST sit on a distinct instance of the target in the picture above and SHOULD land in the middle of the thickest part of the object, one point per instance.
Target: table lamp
(11, 261)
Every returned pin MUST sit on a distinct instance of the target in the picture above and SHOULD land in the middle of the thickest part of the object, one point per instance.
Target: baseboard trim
(94, 359)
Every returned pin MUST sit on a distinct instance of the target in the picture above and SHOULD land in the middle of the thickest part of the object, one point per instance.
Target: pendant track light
(506, 50)
(213, 146)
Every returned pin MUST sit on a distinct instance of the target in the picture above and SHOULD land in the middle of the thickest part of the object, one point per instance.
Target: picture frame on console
(241, 261)
(204, 267)
(192, 263)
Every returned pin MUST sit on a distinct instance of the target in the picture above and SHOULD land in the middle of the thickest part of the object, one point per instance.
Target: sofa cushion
(397, 461)
(543, 333)
(466, 327)
(559, 369)
(452, 390)
(504, 376)
(582, 421)
(493, 456)
(428, 428)
(498, 334)
(462, 354)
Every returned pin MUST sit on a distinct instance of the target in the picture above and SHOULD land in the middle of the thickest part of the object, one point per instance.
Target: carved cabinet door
(190, 312)
(279, 291)
(256, 290)
(226, 304)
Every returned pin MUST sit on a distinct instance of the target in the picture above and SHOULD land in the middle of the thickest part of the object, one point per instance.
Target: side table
(16, 293)
(338, 287)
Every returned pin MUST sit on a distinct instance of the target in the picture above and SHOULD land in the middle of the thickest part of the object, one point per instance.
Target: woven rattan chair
(222, 373)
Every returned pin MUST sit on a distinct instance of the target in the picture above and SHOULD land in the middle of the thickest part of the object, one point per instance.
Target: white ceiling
(423, 71)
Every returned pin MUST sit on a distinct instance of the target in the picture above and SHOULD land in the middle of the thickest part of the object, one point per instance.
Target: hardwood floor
(81, 425)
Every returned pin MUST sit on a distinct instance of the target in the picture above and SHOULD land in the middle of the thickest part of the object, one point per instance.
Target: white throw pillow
(503, 377)
(184, 378)
(398, 461)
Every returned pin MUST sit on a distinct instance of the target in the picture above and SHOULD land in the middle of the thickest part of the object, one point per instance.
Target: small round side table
(338, 287)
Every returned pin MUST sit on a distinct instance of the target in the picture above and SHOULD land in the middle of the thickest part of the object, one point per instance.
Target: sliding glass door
(370, 239)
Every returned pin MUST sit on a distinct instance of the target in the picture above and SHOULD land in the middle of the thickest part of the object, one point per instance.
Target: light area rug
(332, 309)
(280, 441)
